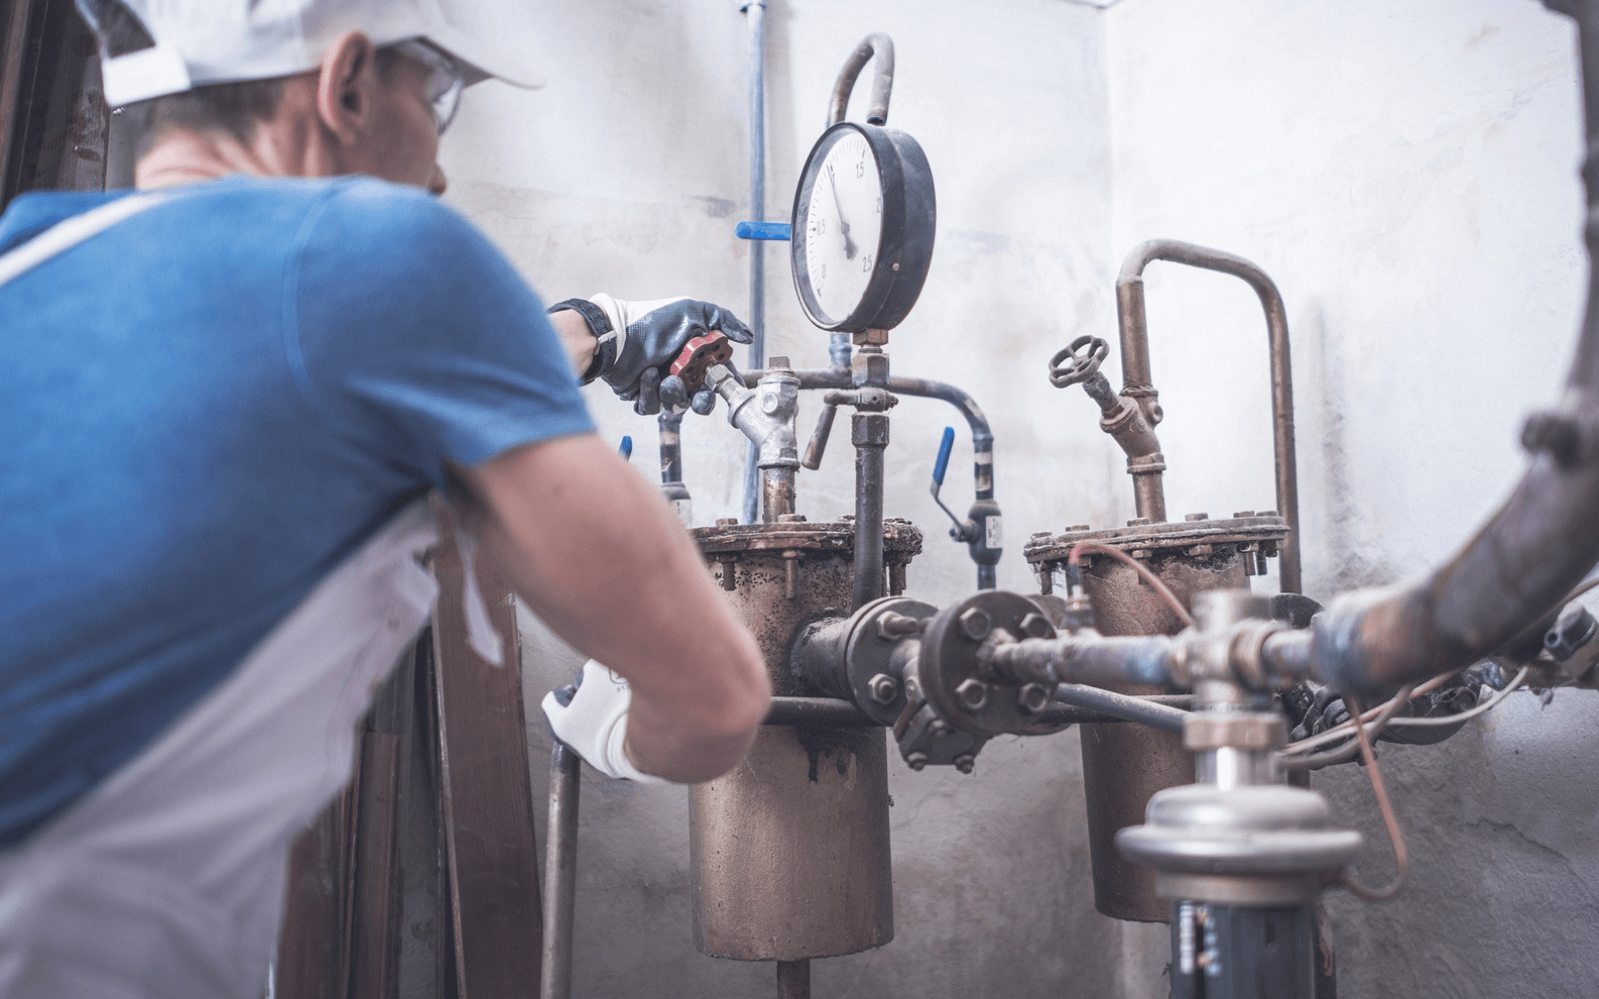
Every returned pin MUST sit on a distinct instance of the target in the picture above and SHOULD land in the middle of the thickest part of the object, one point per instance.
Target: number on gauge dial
(844, 224)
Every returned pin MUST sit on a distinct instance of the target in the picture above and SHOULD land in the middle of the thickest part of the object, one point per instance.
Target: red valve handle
(698, 355)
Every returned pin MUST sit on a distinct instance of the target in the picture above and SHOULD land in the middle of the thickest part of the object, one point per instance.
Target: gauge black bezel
(905, 243)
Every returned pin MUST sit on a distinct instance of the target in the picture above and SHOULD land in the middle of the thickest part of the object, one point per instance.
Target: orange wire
(1154, 582)
(1401, 855)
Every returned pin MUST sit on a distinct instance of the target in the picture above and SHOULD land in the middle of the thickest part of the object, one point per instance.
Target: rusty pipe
(1137, 383)
(882, 47)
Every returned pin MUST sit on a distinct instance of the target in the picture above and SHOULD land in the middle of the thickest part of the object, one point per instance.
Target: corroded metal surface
(1125, 765)
(789, 852)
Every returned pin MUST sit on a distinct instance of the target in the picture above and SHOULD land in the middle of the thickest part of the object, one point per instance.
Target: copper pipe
(1136, 380)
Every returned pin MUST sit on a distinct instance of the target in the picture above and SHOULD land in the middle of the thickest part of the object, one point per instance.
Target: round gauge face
(842, 224)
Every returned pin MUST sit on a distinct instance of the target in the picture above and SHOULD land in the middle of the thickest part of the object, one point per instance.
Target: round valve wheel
(697, 357)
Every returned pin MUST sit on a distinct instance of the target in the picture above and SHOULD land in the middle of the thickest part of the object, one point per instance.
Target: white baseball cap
(226, 41)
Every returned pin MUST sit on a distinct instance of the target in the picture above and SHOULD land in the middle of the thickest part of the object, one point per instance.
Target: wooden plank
(486, 793)
(311, 962)
(376, 899)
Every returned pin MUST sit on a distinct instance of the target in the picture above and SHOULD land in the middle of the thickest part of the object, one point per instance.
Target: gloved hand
(592, 719)
(640, 340)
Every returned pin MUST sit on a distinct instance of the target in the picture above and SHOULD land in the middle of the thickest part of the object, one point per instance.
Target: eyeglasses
(445, 79)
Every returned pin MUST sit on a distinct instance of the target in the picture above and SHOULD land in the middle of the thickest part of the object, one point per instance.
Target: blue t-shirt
(204, 409)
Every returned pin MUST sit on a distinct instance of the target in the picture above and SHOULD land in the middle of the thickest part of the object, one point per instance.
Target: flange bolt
(1036, 626)
(966, 763)
(973, 694)
(1032, 698)
(883, 688)
(975, 623)
(916, 761)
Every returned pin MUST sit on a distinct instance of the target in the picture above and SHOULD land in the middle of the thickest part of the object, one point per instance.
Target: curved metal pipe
(1533, 551)
(877, 44)
(1136, 380)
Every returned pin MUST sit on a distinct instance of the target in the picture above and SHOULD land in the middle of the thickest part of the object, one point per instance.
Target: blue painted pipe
(763, 230)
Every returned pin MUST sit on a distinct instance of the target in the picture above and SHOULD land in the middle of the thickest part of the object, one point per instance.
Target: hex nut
(883, 688)
(1032, 698)
(916, 761)
(976, 624)
(973, 694)
(937, 726)
(1035, 625)
(966, 763)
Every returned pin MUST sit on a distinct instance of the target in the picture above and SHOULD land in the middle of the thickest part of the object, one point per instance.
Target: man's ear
(345, 86)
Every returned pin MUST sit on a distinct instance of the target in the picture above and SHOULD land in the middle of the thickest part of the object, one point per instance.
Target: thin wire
(1346, 728)
(1485, 706)
(1401, 855)
(1154, 582)
(1385, 714)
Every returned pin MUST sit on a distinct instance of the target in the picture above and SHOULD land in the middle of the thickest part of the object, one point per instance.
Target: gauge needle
(843, 227)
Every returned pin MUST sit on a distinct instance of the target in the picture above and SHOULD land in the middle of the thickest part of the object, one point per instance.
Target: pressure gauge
(863, 223)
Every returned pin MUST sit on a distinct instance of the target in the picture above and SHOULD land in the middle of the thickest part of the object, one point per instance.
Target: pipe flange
(878, 648)
(949, 658)
(1267, 530)
(901, 539)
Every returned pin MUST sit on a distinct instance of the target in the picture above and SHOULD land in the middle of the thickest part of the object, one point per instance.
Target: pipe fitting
(764, 414)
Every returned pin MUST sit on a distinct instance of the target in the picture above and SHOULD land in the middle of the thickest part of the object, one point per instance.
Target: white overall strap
(65, 235)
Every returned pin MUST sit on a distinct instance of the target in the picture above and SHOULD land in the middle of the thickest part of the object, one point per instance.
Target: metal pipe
(756, 358)
(869, 433)
(816, 712)
(777, 490)
(794, 979)
(1133, 709)
(1136, 380)
(877, 44)
(560, 873)
(670, 426)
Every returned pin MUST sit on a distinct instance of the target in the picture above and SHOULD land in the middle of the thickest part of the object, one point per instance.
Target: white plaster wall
(1406, 172)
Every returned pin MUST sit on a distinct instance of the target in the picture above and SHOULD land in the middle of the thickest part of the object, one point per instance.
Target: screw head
(1032, 698)
(975, 623)
(883, 688)
(916, 761)
(1035, 625)
(973, 694)
(966, 763)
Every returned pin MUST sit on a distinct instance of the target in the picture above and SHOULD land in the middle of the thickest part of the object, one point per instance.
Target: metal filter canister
(789, 852)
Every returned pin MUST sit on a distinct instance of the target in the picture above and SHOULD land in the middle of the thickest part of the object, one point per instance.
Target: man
(222, 397)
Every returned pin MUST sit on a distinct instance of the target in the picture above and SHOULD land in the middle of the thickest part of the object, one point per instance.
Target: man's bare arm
(576, 337)
(599, 556)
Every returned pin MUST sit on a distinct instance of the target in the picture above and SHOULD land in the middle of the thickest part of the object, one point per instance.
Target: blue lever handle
(764, 230)
(945, 446)
(627, 448)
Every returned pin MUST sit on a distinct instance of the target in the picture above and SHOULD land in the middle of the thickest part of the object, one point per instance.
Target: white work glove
(593, 722)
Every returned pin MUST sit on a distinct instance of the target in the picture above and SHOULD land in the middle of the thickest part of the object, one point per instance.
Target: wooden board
(487, 798)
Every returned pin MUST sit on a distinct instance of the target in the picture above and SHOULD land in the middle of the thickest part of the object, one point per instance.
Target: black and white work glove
(638, 341)
(591, 717)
